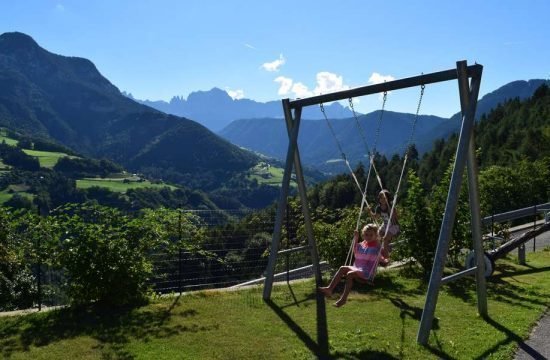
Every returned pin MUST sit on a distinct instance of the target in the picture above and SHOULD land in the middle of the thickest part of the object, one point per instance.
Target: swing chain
(408, 144)
(377, 135)
(342, 154)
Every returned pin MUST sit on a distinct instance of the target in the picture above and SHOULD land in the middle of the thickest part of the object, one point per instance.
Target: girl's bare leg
(335, 280)
(349, 283)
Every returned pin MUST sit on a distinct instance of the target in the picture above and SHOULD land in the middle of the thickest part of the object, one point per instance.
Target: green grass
(117, 185)
(379, 322)
(4, 196)
(13, 189)
(268, 175)
(8, 140)
(47, 159)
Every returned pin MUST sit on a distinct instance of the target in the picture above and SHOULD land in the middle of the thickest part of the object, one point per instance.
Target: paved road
(538, 344)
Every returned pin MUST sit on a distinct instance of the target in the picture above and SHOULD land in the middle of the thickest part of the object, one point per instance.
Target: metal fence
(239, 256)
(231, 254)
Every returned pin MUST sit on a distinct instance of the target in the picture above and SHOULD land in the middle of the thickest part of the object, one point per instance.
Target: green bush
(17, 284)
(106, 254)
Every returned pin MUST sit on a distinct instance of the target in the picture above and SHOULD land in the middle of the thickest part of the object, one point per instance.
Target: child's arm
(356, 236)
(373, 214)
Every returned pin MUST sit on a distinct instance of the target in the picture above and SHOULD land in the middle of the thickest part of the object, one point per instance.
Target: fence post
(521, 254)
(534, 227)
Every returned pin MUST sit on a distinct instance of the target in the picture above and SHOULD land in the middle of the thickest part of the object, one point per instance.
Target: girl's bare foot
(326, 291)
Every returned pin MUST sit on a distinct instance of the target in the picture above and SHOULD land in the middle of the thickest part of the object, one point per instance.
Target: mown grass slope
(378, 322)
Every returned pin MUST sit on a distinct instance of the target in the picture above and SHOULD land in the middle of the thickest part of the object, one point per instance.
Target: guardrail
(519, 213)
(518, 243)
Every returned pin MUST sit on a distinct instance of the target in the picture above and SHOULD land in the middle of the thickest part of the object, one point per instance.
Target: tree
(419, 228)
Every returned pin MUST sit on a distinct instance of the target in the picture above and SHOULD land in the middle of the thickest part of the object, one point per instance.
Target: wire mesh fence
(232, 249)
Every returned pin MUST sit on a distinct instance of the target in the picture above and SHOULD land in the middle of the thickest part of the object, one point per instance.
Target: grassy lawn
(47, 159)
(377, 322)
(8, 140)
(268, 175)
(117, 184)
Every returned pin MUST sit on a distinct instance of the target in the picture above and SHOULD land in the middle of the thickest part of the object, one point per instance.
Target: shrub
(106, 254)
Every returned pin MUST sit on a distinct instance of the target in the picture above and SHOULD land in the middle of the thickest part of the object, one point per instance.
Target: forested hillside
(514, 134)
(67, 100)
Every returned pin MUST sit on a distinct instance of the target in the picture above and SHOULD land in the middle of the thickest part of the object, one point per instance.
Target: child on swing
(383, 210)
(366, 259)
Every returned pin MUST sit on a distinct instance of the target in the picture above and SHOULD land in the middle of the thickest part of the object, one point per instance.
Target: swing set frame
(469, 80)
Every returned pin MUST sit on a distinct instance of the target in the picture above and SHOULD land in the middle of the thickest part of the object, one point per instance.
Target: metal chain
(333, 133)
(411, 136)
(361, 131)
(377, 135)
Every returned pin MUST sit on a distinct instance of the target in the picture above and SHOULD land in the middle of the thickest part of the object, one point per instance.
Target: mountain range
(259, 126)
(318, 146)
(215, 109)
(68, 100)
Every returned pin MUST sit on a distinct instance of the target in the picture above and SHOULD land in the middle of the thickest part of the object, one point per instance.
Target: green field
(7, 194)
(47, 159)
(267, 174)
(379, 322)
(8, 140)
(118, 184)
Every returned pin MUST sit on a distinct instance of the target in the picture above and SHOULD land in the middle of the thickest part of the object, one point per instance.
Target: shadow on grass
(319, 350)
(504, 273)
(506, 291)
(112, 328)
(510, 337)
(385, 286)
(499, 289)
(305, 301)
(415, 313)
(363, 355)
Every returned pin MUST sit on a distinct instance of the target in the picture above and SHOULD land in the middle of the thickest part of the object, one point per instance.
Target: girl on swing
(366, 259)
(383, 210)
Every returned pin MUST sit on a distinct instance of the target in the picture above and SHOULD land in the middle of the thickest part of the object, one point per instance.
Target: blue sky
(269, 50)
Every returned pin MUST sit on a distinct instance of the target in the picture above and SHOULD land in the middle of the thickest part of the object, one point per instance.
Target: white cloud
(300, 90)
(377, 78)
(235, 94)
(274, 65)
(328, 82)
(285, 84)
(249, 46)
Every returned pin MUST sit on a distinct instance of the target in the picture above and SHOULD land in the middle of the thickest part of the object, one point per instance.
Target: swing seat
(365, 281)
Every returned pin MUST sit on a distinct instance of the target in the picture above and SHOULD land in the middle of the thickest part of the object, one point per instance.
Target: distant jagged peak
(177, 99)
(214, 94)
